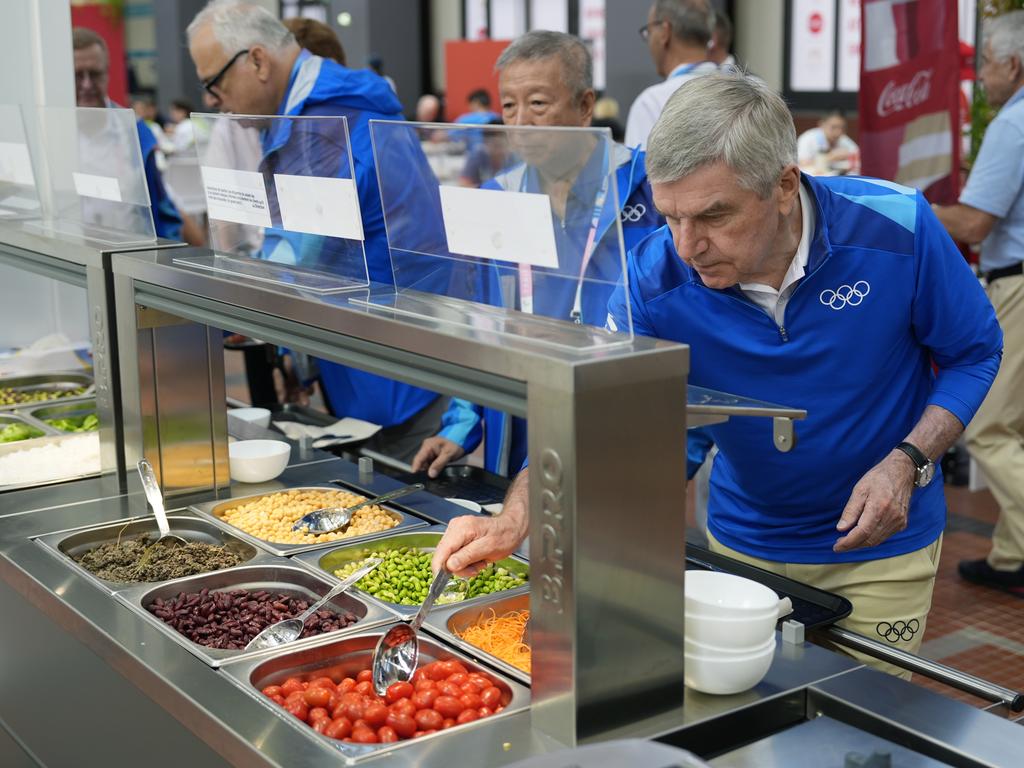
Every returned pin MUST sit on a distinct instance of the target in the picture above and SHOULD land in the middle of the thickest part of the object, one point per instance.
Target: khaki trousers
(891, 597)
(995, 437)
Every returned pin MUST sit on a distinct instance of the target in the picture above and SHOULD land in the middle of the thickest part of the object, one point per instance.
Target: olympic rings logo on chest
(845, 295)
(631, 214)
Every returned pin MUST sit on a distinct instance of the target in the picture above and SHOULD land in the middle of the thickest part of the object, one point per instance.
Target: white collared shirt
(646, 110)
(767, 298)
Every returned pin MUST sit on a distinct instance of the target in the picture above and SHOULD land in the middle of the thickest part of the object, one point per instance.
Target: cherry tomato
(404, 707)
(398, 691)
(418, 676)
(449, 689)
(428, 719)
(279, 699)
(296, 697)
(339, 728)
(347, 685)
(467, 716)
(424, 699)
(291, 685)
(491, 696)
(404, 725)
(485, 711)
(451, 667)
(471, 701)
(321, 725)
(375, 715)
(424, 684)
(297, 708)
(317, 697)
(364, 736)
(435, 672)
(364, 687)
(498, 708)
(458, 678)
(481, 677)
(473, 686)
(272, 691)
(323, 682)
(353, 710)
(366, 675)
(318, 713)
(448, 706)
(386, 735)
(447, 723)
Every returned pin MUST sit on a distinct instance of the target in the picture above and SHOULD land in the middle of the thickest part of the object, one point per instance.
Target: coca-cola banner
(909, 95)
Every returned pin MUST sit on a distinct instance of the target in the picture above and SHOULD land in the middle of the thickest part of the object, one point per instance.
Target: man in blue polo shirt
(833, 295)
(250, 64)
(991, 212)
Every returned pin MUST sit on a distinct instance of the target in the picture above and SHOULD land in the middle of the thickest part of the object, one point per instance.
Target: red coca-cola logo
(898, 97)
(815, 22)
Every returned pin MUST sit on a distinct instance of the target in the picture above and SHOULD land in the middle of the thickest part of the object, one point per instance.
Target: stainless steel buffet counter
(88, 681)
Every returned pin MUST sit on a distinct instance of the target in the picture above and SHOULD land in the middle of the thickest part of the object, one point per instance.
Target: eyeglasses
(645, 30)
(212, 81)
(95, 75)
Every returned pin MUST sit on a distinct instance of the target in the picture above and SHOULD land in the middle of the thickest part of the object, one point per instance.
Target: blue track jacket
(166, 220)
(322, 87)
(464, 422)
(886, 294)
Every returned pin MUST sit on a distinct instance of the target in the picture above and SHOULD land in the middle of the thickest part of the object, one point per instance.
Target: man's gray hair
(238, 26)
(723, 117)
(1005, 34)
(577, 66)
(691, 20)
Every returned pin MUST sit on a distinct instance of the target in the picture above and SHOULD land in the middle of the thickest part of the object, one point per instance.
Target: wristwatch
(925, 466)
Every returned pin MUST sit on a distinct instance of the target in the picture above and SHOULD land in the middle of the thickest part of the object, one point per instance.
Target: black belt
(995, 274)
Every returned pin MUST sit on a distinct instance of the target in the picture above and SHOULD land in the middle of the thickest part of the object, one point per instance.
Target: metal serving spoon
(332, 518)
(289, 629)
(398, 650)
(156, 501)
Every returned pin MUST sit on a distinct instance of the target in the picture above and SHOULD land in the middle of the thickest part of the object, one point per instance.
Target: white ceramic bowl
(256, 461)
(713, 593)
(258, 416)
(719, 632)
(727, 674)
(724, 652)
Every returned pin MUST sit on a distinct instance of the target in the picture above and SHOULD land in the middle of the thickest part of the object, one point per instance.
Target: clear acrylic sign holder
(282, 202)
(507, 230)
(19, 193)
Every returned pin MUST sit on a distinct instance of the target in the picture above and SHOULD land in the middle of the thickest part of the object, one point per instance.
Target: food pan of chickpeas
(267, 518)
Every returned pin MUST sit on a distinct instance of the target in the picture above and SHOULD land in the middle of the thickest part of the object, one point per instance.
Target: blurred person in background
(480, 112)
(428, 109)
(250, 64)
(183, 135)
(677, 34)
(376, 65)
(721, 43)
(317, 38)
(826, 149)
(92, 60)
(145, 110)
(487, 159)
(606, 115)
(991, 212)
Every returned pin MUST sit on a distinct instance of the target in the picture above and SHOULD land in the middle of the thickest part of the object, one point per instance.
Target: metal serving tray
(425, 538)
(66, 408)
(447, 619)
(16, 417)
(62, 381)
(215, 510)
(269, 573)
(68, 544)
(344, 657)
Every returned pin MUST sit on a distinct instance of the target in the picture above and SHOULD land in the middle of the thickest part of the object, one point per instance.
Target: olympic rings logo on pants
(845, 295)
(898, 630)
(633, 213)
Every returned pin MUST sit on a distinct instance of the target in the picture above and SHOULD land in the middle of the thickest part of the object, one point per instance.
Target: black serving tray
(459, 481)
(812, 607)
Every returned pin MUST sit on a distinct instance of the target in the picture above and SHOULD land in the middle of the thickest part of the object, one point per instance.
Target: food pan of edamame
(401, 581)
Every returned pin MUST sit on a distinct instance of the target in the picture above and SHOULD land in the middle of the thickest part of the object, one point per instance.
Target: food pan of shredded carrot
(502, 637)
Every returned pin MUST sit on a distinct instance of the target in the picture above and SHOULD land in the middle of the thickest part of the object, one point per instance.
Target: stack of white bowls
(730, 631)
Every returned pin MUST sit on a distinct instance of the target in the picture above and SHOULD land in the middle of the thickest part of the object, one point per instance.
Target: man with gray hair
(250, 64)
(991, 212)
(677, 33)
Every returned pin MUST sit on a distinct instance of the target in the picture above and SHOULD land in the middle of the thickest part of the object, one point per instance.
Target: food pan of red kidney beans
(441, 695)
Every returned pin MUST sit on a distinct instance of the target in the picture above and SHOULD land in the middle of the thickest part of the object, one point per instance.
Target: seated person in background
(479, 109)
(827, 149)
(487, 159)
(546, 79)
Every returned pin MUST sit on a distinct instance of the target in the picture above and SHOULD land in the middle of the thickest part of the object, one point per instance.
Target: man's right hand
(435, 454)
(473, 541)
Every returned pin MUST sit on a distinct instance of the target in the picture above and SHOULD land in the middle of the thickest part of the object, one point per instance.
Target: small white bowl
(725, 652)
(719, 632)
(727, 675)
(256, 461)
(714, 593)
(258, 416)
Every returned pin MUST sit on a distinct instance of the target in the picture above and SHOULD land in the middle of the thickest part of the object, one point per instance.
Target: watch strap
(920, 460)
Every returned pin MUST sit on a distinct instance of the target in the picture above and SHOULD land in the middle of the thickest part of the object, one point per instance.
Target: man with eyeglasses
(92, 66)
(677, 33)
(250, 64)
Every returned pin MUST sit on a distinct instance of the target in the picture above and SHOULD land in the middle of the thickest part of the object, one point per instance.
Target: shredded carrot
(501, 636)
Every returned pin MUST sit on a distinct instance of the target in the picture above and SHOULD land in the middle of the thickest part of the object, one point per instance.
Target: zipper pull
(783, 333)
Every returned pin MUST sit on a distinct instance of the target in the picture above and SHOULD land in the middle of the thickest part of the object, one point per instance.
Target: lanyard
(526, 270)
(686, 69)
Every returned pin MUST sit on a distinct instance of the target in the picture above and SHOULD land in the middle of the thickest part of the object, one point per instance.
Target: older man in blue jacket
(836, 295)
(250, 64)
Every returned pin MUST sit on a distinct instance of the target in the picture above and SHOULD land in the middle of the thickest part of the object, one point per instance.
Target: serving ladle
(398, 650)
(156, 501)
(332, 518)
(287, 630)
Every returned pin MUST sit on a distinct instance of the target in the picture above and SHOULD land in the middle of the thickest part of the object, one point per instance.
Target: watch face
(925, 474)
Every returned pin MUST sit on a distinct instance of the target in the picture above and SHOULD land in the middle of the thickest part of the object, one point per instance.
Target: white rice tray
(50, 459)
